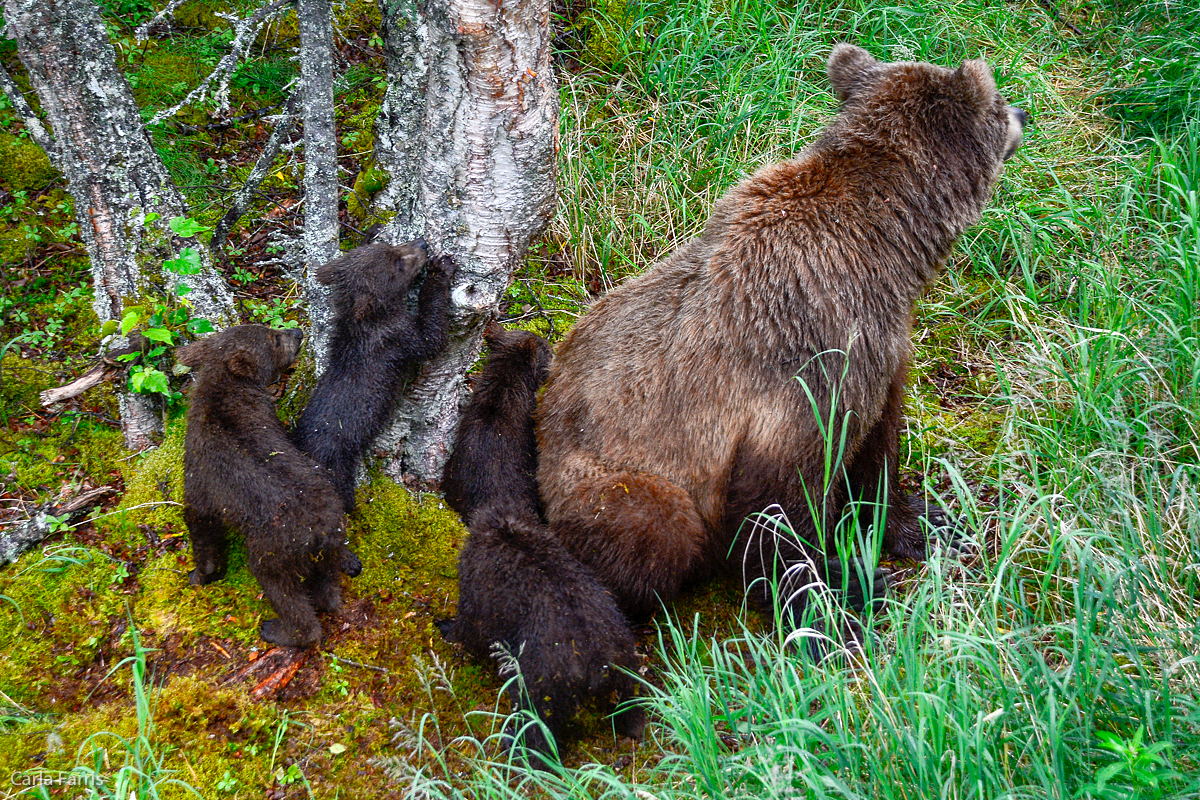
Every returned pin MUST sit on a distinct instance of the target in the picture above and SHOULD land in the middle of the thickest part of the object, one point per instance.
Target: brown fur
(517, 584)
(494, 453)
(677, 406)
(242, 472)
(519, 587)
(375, 347)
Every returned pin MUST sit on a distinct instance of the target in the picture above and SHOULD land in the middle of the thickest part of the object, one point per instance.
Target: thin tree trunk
(113, 172)
(471, 81)
(315, 19)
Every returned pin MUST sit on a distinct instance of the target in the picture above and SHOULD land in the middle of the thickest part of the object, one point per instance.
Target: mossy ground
(66, 629)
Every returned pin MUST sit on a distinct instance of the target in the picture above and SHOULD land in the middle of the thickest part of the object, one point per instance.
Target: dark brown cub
(241, 472)
(375, 348)
(518, 586)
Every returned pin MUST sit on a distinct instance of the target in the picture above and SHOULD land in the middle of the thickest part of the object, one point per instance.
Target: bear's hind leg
(208, 547)
(297, 625)
(325, 585)
(914, 524)
(640, 534)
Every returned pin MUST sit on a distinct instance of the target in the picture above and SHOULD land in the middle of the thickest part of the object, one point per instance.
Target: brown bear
(517, 584)
(764, 361)
(375, 347)
(494, 454)
(242, 472)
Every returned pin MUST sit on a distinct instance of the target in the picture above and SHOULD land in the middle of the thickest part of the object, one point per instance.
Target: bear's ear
(848, 68)
(976, 77)
(192, 355)
(493, 334)
(242, 364)
(326, 274)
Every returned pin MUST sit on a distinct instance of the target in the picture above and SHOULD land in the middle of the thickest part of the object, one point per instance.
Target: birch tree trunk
(113, 172)
(315, 20)
(467, 132)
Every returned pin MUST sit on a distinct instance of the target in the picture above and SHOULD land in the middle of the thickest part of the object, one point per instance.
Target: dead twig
(110, 366)
(1058, 17)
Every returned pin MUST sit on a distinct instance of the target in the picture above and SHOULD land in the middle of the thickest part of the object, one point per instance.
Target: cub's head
(371, 282)
(253, 354)
(522, 347)
(948, 116)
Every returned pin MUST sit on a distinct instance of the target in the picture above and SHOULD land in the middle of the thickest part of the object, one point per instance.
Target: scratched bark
(113, 173)
(467, 132)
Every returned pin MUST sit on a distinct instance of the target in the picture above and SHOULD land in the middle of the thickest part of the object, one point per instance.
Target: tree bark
(113, 172)
(315, 20)
(468, 134)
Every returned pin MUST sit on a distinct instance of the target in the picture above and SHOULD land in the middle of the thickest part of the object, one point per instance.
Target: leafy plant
(1138, 770)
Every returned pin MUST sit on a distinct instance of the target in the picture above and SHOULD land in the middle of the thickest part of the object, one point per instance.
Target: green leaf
(159, 335)
(108, 328)
(156, 381)
(186, 227)
(186, 263)
(198, 326)
(129, 320)
(337, 748)
(1108, 773)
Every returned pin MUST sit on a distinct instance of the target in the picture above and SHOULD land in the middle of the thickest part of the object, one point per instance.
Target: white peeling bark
(315, 19)
(113, 172)
(482, 186)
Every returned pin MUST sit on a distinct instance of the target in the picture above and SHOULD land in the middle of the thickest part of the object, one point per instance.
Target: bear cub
(375, 346)
(242, 472)
(494, 455)
(518, 586)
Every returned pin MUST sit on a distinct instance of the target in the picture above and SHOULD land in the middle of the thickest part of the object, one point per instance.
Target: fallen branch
(245, 32)
(46, 519)
(278, 680)
(109, 367)
(162, 20)
(241, 201)
(93, 377)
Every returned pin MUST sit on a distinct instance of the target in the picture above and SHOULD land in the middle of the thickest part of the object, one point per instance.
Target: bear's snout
(1017, 117)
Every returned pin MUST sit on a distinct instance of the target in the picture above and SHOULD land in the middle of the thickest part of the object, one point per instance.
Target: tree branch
(245, 31)
(145, 30)
(245, 195)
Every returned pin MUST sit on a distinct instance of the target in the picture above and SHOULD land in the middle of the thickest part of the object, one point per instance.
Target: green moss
(15, 245)
(170, 606)
(41, 459)
(367, 184)
(153, 492)
(405, 543)
(23, 165)
(164, 77)
(62, 604)
(202, 14)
